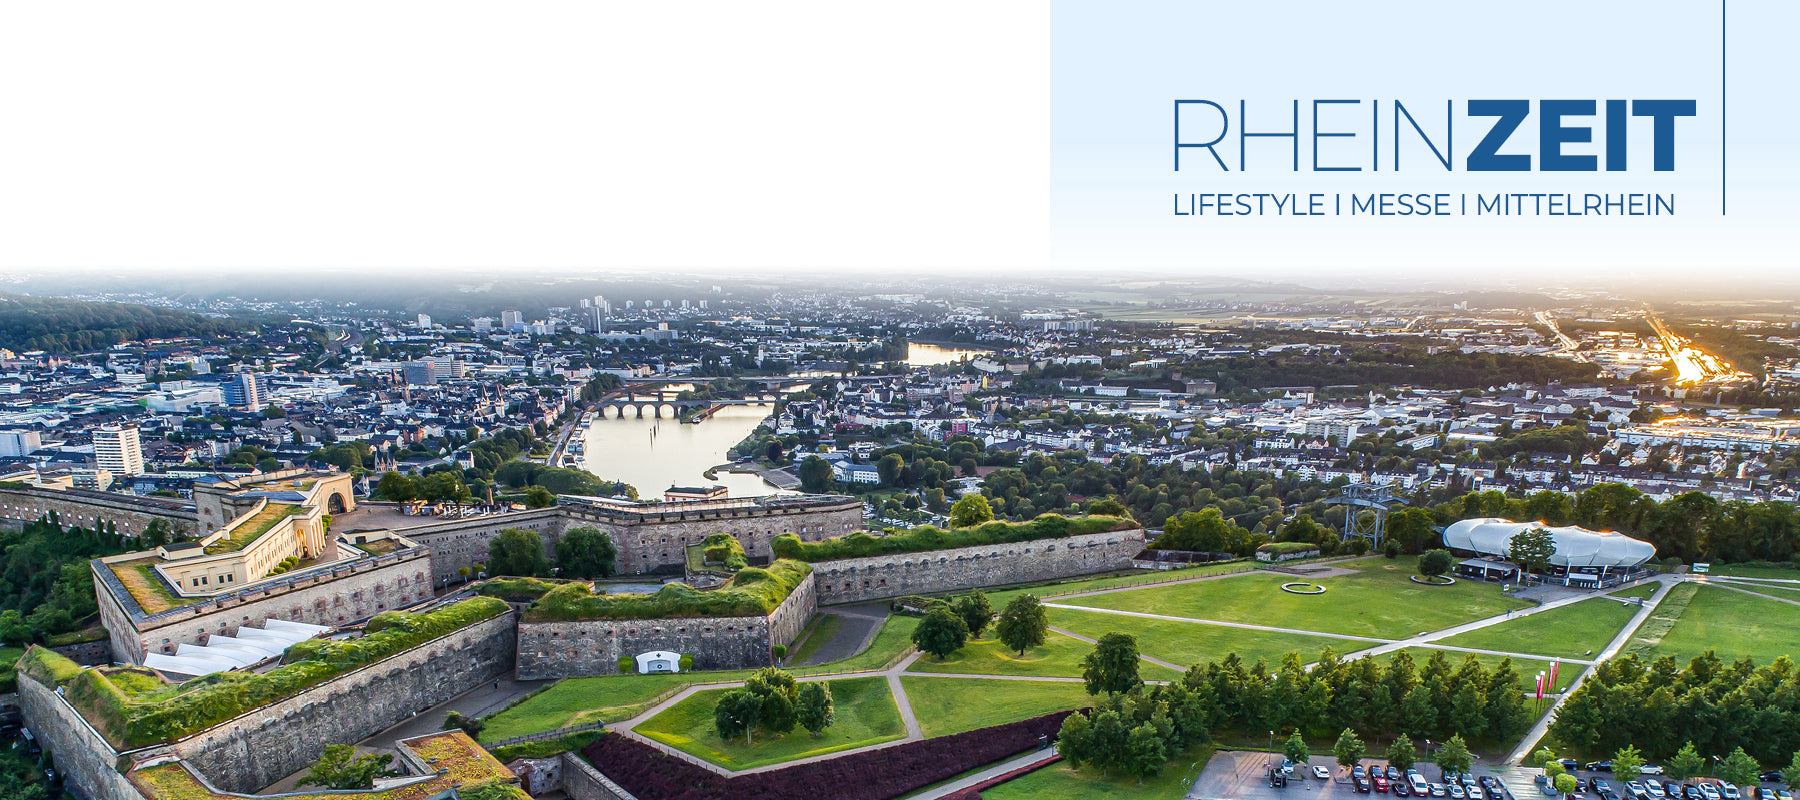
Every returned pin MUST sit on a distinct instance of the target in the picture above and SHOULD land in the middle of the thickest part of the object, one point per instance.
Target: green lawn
(1059, 657)
(1528, 668)
(1378, 601)
(1058, 782)
(1644, 591)
(1576, 630)
(1733, 625)
(577, 701)
(1748, 571)
(1134, 578)
(822, 631)
(952, 705)
(8, 656)
(866, 715)
(1189, 643)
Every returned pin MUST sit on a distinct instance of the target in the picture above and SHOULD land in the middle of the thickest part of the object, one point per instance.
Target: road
(1568, 344)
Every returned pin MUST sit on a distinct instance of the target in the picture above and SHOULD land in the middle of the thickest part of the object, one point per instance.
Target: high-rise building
(419, 373)
(424, 322)
(19, 443)
(118, 451)
(245, 390)
(483, 324)
(512, 320)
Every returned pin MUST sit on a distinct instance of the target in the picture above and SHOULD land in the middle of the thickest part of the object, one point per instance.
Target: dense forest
(1713, 706)
(77, 326)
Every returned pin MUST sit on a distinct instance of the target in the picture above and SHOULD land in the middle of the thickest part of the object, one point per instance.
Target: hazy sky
(855, 138)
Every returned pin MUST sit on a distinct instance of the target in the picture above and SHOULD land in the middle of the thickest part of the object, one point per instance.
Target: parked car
(1474, 793)
(1636, 790)
(1691, 792)
(1381, 783)
(1600, 785)
(1769, 777)
(1456, 791)
(1400, 789)
(1358, 772)
(1600, 766)
(1655, 788)
(1731, 792)
(1392, 774)
(1362, 785)
(1569, 764)
(1419, 787)
(1439, 790)
(1650, 769)
(1321, 773)
(1710, 792)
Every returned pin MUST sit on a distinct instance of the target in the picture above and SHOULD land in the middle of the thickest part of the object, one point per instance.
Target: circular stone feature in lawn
(1302, 588)
(1443, 580)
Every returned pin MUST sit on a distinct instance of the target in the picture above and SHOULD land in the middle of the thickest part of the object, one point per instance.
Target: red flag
(1540, 686)
(1552, 683)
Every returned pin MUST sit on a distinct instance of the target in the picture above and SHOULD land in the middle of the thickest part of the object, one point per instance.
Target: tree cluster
(1136, 732)
(582, 552)
(46, 587)
(771, 701)
(1713, 706)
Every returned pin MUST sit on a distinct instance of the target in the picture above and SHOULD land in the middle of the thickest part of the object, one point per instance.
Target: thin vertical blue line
(1722, 137)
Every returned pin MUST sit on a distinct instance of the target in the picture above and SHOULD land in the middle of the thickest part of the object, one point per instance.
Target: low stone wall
(258, 748)
(82, 756)
(583, 782)
(87, 654)
(593, 647)
(852, 580)
(129, 514)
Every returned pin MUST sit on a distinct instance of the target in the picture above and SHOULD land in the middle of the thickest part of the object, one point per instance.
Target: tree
(1023, 624)
(1792, 771)
(1113, 665)
(585, 552)
(1564, 783)
(517, 552)
(738, 714)
(815, 710)
(397, 487)
(815, 474)
(1454, 755)
(888, 468)
(340, 768)
(1145, 752)
(1109, 507)
(1739, 768)
(13, 628)
(1401, 754)
(1348, 750)
(941, 632)
(1686, 763)
(539, 497)
(971, 509)
(975, 611)
(1626, 763)
(1295, 749)
(1204, 531)
(1073, 740)
(1435, 562)
(1532, 549)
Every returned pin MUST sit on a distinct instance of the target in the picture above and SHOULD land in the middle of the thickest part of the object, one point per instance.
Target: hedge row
(209, 700)
(880, 774)
(517, 590)
(1287, 548)
(927, 537)
(751, 592)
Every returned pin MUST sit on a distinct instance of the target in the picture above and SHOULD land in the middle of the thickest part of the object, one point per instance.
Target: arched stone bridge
(642, 407)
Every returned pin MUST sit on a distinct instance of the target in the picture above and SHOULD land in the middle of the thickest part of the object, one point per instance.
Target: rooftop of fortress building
(438, 762)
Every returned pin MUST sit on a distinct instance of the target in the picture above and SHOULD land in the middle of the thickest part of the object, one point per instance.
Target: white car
(1322, 773)
(1655, 789)
(1475, 793)
(1650, 769)
(1730, 791)
(1710, 792)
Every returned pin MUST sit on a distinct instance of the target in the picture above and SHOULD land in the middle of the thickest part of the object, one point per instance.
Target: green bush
(1286, 548)
(47, 666)
(518, 590)
(687, 663)
(545, 748)
(723, 548)
(751, 592)
(212, 699)
(627, 665)
(926, 537)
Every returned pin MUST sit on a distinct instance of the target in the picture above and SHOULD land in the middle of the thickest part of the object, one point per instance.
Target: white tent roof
(1575, 547)
(223, 652)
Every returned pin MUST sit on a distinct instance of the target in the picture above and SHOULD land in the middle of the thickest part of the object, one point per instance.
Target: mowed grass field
(1059, 782)
(1377, 601)
(1749, 571)
(866, 714)
(952, 705)
(1147, 577)
(1577, 630)
(1190, 643)
(1059, 657)
(1733, 625)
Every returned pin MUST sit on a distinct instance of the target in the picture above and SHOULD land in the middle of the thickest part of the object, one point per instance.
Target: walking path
(1753, 594)
(1612, 649)
(1033, 757)
(1156, 661)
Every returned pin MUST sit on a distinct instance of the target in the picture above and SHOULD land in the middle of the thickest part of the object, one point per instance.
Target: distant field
(1378, 601)
(1731, 624)
(1573, 631)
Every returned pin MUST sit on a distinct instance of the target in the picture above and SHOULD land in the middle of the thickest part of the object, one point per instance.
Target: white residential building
(117, 450)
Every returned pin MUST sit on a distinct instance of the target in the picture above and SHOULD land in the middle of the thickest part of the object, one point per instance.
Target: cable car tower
(1359, 497)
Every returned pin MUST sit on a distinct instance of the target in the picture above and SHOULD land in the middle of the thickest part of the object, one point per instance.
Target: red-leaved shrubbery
(872, 775)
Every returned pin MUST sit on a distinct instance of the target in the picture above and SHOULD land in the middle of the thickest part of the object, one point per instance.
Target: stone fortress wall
(256, 749)
(854, 580)
(593, 647)
(129, 515)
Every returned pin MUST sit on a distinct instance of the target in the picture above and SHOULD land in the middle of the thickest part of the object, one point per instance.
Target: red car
(1381, 784)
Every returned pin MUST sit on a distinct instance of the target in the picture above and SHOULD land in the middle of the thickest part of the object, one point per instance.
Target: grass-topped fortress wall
(926, 560)
(570, 631)
(246, 730)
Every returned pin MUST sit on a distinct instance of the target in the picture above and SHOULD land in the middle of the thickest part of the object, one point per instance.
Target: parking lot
(1244, 775)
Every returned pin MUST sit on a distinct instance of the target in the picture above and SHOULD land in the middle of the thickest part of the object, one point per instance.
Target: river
(677, 455)
(932, 355)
